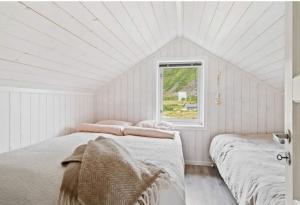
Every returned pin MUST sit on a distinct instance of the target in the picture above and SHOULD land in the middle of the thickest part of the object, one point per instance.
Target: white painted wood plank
(4, 121)
(105, 17)
(256, 9)
(262, 110)
(42, 117)
(217, 22)
(229, 99)
(54, 15)
(237, 12)
(268, 23)
(237, 102)
(25, 119)
(246, 115)
(15, 121)
(34, 118)
(50, 116)
(253, 106)
(62, 117)
(68, 116)
(121, 15)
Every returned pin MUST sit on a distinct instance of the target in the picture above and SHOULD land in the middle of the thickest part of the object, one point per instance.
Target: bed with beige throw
(33, 175)
(250, 169)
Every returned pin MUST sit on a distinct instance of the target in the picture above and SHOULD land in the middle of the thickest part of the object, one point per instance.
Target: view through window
(180, 92)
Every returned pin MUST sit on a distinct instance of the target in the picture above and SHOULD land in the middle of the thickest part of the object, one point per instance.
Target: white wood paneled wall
(28, 116)
(249, 105)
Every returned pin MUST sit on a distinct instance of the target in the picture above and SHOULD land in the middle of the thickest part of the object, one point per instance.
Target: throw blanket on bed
(103, 172)
(250, 169)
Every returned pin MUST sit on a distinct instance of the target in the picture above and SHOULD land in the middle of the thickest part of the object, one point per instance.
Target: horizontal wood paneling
(29, 116)
(248, 104)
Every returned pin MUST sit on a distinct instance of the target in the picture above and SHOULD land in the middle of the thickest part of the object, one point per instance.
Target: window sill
(189, 127)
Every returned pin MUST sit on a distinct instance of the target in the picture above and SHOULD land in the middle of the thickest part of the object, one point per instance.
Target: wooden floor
(204, 186)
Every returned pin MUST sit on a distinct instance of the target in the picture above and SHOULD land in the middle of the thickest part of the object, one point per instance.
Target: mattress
(33, 175)
(250, 169)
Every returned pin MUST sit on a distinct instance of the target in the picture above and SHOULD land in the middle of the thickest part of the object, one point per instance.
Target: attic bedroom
(149, 103)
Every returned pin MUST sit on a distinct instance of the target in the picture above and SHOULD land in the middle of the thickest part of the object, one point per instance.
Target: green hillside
(184, 80)
(179, 79)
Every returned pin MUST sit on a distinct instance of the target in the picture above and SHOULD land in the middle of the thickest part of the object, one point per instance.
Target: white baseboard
(199, 163)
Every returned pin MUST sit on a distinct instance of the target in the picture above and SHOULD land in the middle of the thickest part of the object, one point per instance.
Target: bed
(250, 169)
(33, 175)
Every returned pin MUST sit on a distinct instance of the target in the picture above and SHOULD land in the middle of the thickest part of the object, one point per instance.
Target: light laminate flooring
(204, 186)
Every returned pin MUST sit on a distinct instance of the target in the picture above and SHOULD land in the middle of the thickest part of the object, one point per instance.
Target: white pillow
(163, 125)
(109, 129)
(115, 122)
(149, 132)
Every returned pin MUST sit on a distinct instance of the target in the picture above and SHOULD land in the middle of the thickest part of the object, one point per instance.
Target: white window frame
(200, 121)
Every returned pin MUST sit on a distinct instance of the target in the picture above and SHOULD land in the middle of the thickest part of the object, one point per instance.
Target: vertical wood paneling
(43, 116)
(34, 118)
(262, 110)
(245, 106)
(29, 116)
(237, 102)
(229, 100)
(15, 120)
(50, 115)
(25, 119)
(4, 121)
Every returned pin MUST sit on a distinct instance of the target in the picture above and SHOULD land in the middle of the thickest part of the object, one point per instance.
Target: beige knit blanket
(103, 172)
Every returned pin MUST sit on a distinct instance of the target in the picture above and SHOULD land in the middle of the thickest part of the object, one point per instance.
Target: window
(181, 92)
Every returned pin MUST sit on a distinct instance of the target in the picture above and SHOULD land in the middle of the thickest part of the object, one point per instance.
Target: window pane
(180, 93)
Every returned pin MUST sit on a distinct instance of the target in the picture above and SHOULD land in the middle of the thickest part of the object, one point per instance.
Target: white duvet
(32, 175)
(250, 169)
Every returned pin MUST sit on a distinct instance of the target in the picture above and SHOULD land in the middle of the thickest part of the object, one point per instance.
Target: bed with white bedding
(33, 175)
(250, 169)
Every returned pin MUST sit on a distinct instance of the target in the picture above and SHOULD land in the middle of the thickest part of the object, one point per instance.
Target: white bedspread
(250, 169)
(32, 175)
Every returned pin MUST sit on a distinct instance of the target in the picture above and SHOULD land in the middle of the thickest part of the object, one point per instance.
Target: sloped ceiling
(83, 45)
